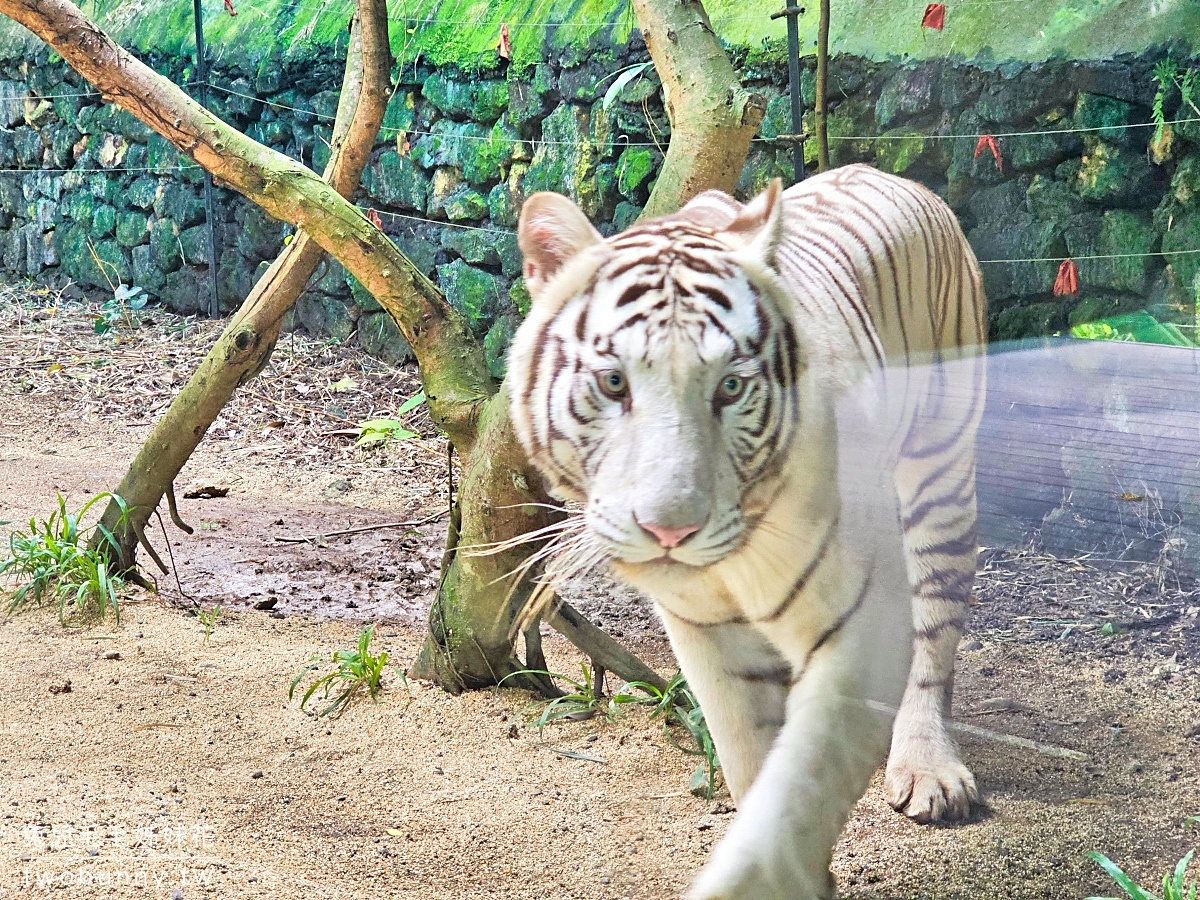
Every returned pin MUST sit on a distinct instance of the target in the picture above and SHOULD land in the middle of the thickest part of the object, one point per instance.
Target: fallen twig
(1013, 741)
(313, 538)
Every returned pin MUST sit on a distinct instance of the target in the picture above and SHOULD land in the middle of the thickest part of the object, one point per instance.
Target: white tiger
(769, 413)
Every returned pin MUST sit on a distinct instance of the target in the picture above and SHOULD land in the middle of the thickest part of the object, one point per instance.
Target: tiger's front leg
(836, 730)
(742, 684)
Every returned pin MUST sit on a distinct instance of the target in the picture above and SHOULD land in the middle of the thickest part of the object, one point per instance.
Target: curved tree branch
(453, 369)
(713, 118)
(246, 344)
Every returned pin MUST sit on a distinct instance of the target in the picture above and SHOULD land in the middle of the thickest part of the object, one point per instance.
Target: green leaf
(343, 384)
(411, 403)
(1124, 881)
(627, 75)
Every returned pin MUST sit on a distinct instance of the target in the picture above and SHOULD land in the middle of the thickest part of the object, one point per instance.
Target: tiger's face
(655, 376)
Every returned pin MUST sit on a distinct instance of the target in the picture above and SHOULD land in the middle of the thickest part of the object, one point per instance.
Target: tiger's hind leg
(925, 779)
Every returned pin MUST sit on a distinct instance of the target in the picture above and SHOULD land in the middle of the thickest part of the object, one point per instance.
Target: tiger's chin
(671, 571)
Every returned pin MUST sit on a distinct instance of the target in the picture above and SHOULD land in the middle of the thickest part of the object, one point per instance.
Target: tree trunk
(246, 344)
(713, 118)
(820, 107)
(470, 639)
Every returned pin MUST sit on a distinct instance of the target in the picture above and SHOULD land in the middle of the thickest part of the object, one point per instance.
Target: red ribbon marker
(505, 47)
(374, 217)
(990, 143)
(1066, 284)
(229, 8)
(935, 16)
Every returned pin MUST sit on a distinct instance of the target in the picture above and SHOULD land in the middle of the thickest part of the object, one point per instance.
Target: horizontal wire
(1051, 259)
(114, 171)
(761, 140)
(1009, 134)
(384, 212)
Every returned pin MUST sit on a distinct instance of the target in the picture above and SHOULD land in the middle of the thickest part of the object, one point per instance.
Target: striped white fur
(769, 412)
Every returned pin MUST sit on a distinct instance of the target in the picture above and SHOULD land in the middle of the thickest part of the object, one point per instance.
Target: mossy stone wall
(99, 195)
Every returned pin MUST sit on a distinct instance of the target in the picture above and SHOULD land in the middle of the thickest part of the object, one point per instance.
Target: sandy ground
(173, 764)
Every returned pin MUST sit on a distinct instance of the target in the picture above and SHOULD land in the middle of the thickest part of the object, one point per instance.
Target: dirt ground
(178, 765)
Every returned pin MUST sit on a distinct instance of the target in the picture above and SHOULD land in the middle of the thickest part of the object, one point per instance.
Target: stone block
(379, 336)
(396, 181)
(474, 293)
(468, 98)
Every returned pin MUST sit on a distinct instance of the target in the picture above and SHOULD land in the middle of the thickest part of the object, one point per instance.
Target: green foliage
(585, 700)
(355, 671)
(1173, 884)
(54, 562)
(208, 620)
(674, 707)
(1167, 77)
(677, 705)
(380, 431)
(125, 299)
(1140, 327)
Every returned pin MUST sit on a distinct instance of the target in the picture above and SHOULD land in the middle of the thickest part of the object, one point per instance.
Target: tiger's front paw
(931, 786)
(752, 878)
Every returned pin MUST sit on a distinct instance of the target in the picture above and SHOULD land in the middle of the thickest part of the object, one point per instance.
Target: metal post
(214, 307)
(797, 137)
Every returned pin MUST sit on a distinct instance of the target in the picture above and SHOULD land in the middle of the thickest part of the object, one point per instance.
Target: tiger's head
(655, 377)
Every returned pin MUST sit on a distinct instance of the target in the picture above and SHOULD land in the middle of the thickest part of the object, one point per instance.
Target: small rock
(437, 770)
(337, 487)
(203, 491)
(1134, 766)
(112, 654)
(93, 853)
(973, 645)
(266, 603)
(257, 773)
(64, 688)
(1112, 676)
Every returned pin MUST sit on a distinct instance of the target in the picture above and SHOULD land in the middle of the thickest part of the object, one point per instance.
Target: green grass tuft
(676, 707)
(1173, 884)
(356, 670)
(52, 561)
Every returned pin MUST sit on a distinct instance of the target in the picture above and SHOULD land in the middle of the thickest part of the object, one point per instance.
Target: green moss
(900, 151)
(519, 295)
(447, 33)
(1184, 235)
(104, 221)
(395, 180)
(1106, 115)
(496, 343)
(471, 291)
(1107, 172)
(634, 168)
(132, 228)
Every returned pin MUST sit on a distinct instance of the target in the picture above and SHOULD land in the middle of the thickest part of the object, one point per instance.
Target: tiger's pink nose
(669, 537)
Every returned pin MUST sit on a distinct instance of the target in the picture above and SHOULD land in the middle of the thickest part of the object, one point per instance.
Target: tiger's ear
(552, 230)
(758, 229)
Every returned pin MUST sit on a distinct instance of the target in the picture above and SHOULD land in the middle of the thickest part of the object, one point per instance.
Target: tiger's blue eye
(732, 387)
(612, 383)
